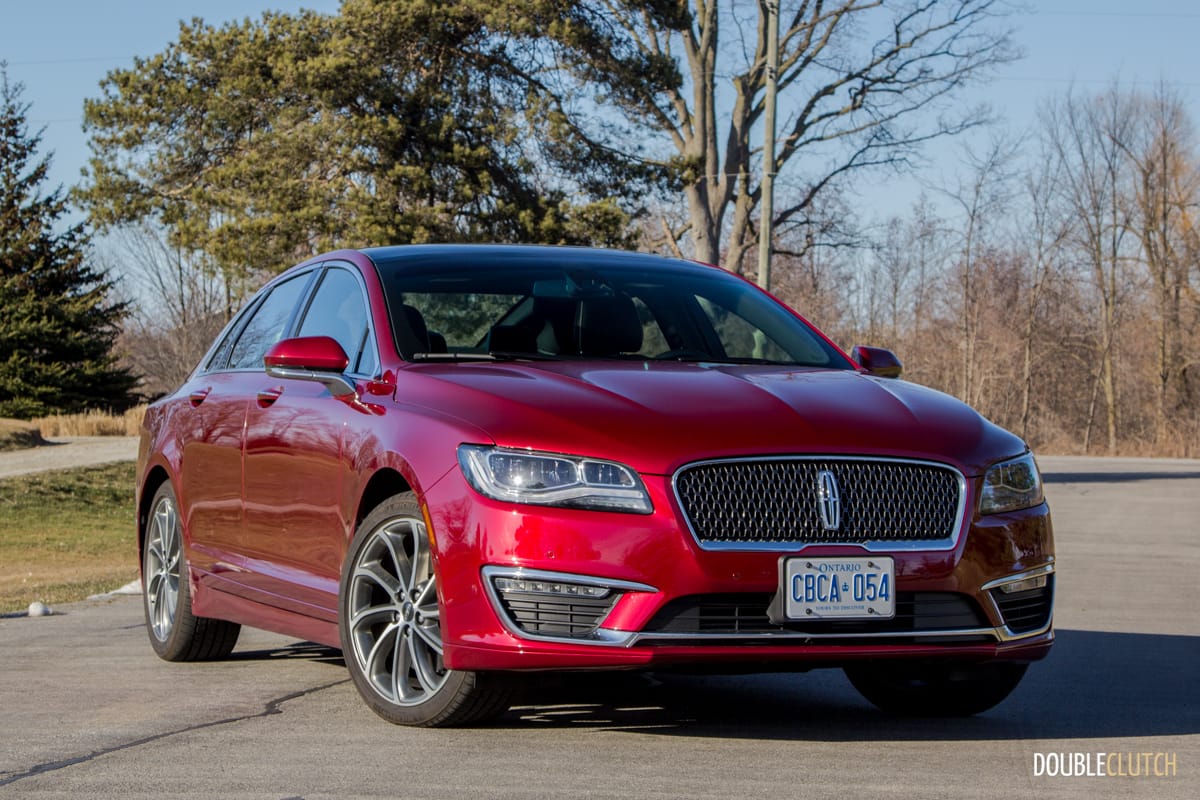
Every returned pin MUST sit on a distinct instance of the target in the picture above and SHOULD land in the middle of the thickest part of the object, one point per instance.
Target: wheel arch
(385, 483)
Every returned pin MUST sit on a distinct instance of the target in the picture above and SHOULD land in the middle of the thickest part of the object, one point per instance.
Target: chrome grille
(776, 502)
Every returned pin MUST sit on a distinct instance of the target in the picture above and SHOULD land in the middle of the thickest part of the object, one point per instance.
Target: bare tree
(1041, 233)
(981, 196)
(180, 302)
(865, 83)
(1166, 190)
(1084, 134)
(1059, 290)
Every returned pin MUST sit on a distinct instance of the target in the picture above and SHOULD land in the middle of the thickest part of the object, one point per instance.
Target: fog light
(1038, 582)
(549, 587)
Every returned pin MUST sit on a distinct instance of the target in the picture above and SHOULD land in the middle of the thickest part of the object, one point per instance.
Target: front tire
(929, 690)
(390, 623)
(176, 634)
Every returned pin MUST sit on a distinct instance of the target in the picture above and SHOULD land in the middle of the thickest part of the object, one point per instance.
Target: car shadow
(1093, 685)
(305, 651)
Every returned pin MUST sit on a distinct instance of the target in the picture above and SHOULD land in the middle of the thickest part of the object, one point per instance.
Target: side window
(220, 356)
(338, 310)
(368, 359)
(268, 324)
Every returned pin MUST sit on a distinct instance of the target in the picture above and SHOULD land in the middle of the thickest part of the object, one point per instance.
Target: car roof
(501, 255)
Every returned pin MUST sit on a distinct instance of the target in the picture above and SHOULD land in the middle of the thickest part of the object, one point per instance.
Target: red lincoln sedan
(461, 463)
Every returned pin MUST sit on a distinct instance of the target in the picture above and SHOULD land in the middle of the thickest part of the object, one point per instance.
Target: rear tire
(935, 690)
(175, 633)
(389, 616)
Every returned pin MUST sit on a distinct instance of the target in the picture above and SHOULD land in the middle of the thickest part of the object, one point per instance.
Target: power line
(1149, 15)
(1096, 81)
(52, 61)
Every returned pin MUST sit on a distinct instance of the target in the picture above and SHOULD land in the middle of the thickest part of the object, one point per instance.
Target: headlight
(1010, 486)
(546, 479)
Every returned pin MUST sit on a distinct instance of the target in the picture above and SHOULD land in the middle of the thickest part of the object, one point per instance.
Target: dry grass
(66, 534)
(18, 435)
(92, 423)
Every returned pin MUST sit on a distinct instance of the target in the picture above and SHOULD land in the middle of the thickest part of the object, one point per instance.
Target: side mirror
(311, 358)
(877, 361)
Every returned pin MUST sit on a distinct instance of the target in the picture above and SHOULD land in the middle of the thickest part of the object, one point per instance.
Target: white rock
(133, 587)
(39, 609)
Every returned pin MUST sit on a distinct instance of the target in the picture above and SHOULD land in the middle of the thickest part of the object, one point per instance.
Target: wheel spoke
(399, 559)
(172, 584)
(402, 666)
(152, 590)
(169, 530)
(419, 563)
(160, 608)
(157, 559)
(426, 676)
(377, 672)
(431, 636)
(376, 574)
(426, 590)
(373, 613)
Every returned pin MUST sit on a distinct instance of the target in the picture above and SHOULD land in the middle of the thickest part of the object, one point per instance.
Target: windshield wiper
(764, 361)
(451, 357)
(495, 355)
(695, 358)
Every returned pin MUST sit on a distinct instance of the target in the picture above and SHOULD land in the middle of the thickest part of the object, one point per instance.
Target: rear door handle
(197, 397)
(268, 396)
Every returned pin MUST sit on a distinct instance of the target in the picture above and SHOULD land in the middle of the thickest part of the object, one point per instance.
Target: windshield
(644, 309)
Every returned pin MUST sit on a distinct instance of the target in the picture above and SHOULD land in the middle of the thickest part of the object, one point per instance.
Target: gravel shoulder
(65, 452)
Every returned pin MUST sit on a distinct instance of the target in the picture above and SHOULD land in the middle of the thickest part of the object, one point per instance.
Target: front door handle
(268, 396)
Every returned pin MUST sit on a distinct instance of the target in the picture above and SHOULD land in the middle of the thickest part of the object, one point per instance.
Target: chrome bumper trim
(1000, 634)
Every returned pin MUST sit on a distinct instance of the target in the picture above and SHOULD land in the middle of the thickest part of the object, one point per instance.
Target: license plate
(839, 588)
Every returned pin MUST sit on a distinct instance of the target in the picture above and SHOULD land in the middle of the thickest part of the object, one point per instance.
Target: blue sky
(61, 49)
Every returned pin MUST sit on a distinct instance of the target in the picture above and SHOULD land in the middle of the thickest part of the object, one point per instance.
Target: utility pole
(766, 221)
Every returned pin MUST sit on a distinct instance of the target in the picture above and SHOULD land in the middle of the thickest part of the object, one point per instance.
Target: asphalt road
(86, 710)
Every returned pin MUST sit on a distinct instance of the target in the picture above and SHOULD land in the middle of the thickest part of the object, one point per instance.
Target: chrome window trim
(936, 545)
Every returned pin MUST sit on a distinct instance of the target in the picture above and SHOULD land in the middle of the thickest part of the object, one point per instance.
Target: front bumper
(673, 604)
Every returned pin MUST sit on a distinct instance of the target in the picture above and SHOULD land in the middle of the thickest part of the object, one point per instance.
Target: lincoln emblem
(829, 503)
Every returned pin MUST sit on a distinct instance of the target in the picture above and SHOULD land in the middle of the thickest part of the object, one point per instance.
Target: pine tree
(58, 322)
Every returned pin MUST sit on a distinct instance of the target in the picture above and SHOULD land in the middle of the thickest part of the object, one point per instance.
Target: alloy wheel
(394, 621)
(164, 552)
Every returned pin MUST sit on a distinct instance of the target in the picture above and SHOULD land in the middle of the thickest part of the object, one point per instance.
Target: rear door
(211, 480)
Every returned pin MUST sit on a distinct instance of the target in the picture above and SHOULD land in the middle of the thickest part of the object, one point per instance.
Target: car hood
(655, 417)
